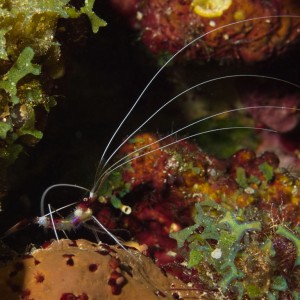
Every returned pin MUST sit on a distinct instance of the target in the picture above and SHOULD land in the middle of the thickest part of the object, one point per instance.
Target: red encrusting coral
(285, 121)
(167, 26)
(268, 94)
(180, 196)
(165, 184)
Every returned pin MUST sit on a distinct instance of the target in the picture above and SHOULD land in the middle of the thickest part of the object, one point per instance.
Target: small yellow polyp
(239, 15)
(126, 209)
(210, 8)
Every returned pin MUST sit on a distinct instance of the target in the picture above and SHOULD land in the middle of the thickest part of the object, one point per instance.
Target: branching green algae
(29, 54)
(22, 67)
(233, 252)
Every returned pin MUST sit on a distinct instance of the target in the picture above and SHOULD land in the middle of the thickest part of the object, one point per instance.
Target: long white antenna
(61, 208)
(42, 202)
(52, 221)
(105, 174)
(169, 60)
(110, 234)
(109, 171)
(187, 90)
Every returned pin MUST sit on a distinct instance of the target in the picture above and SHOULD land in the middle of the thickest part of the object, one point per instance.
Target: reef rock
(87, 271)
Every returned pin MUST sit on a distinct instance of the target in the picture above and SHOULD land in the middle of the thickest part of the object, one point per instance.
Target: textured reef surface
(167, 26)
(70, 270)
(236, 221)
(225, 228)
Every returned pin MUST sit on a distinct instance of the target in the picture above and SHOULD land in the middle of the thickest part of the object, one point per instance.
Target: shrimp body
(152, 168)
(81, 214)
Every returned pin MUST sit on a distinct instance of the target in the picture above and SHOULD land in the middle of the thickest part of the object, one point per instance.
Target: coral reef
(284, 121)
(230, 252)
(269, 94)
(246, 208)
(226, 228)
(165, 27)
(285, 147)
(178, 173)
(30, 57)
(87, 271)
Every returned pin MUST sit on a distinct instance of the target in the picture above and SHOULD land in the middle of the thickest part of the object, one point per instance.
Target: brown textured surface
(84, 270)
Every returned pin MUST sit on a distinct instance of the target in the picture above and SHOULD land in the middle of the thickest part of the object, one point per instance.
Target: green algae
(30, 59)
(241, 178)
(283, 231)
(21, 92)
(4, 129)
(267, 171)
(238, 229)
(227, 232)
(243, 181)
(87, 9)
(183, 234)
(113, 183)
(229, 245)
(225, 247)
(33, 22)
(22, 67)
(116, 202)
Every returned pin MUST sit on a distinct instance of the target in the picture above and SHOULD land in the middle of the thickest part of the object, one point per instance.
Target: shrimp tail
(19, 226)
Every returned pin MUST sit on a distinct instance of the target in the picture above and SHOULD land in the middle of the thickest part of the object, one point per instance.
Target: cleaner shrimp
(108, 188)
(84, 210)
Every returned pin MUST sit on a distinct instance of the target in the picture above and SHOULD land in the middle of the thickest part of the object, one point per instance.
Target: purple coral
(281, 120)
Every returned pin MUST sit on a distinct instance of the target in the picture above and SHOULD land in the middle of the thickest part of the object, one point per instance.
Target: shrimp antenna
(110, 234)
(59, 209)
(42, 202)
(140, 268)
(187, 90)
(109, 171)
(52, 221)
(117, 163)
(168, 61)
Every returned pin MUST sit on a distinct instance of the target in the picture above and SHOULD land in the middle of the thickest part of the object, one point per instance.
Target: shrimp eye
(126, 209)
